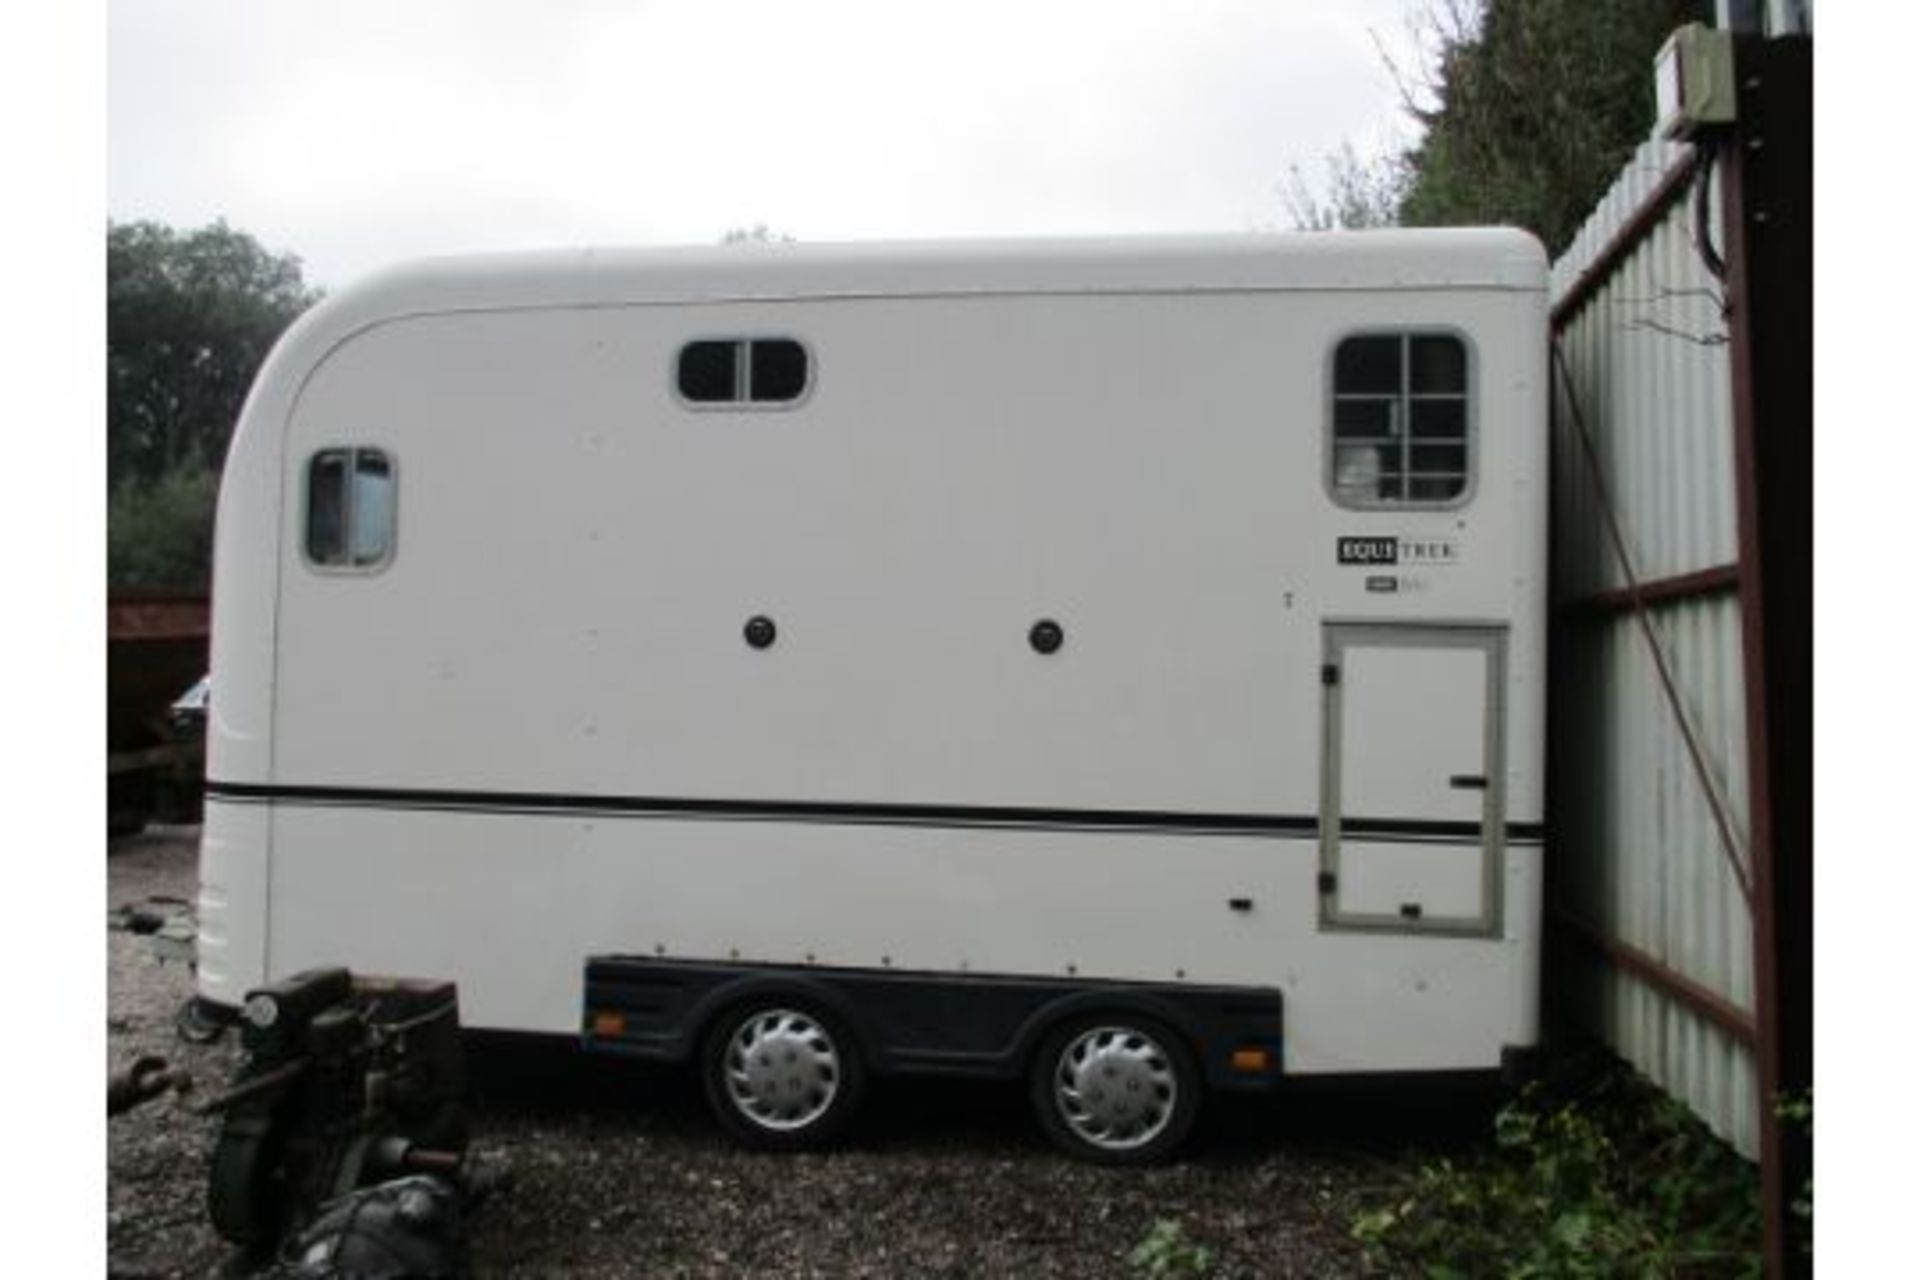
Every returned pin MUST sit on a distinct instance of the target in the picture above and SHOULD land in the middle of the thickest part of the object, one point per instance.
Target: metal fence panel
(1638, 857)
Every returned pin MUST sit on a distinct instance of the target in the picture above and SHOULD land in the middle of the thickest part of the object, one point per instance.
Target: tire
(1116, 1089)
(247, 1194)
(782, 1074)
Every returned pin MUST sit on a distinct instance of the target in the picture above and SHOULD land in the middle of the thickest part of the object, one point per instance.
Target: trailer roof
(1474, 258)
(1437, 258)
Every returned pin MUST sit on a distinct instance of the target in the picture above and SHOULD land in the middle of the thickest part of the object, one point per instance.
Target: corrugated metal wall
(1637, 855)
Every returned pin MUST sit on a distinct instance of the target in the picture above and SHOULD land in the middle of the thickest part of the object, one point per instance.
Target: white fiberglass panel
(511, 906)
(577, 554)
(230, 915)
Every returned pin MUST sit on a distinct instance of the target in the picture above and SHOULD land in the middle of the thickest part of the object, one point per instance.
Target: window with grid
(1400, 420)
(732, 371)
(350, 495)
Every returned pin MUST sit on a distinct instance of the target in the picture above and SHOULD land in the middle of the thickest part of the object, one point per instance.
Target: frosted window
(350, 508)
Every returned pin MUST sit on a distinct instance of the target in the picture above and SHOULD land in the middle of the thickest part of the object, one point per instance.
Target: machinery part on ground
(198, 1022)
(408, 1227)
(145, 1080)
(347, 1083)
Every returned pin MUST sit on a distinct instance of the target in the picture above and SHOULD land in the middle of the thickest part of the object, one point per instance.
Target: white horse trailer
(1118, 663)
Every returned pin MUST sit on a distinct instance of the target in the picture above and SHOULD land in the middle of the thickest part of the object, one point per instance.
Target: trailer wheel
(781, 1074)
(1115, 1089)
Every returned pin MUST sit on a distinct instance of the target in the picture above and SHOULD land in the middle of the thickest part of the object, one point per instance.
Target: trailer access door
(1412, 800)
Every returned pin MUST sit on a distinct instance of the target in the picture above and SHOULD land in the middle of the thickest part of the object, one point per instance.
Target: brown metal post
(1766, 166)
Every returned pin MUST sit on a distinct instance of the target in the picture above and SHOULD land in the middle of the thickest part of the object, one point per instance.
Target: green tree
(160, 534)
(1530, 108)
(190, 316)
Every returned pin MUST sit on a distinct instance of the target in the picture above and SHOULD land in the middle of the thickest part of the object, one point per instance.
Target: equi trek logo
(1369, 550)
(1397, 551)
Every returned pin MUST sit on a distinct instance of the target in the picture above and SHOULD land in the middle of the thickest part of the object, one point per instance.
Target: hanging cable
(1709, 151)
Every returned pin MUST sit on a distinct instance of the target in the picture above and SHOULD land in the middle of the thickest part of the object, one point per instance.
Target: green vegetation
(1360, 194)
(190, 317)
(1168, 1251)
(160, 534)
(1527, 110)
(1796, 1112)
(1535, 109)
(1591, 1173)
(758, 233)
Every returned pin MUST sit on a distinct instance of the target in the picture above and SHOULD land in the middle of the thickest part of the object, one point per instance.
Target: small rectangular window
(1400, 429)
(370, 526)
(1437, 364)
(327, 507)
(1437, 419)
(743, 371)
(1365, 418)
(710, 372)
(350, 508)
(1368, 364)
(779, 371)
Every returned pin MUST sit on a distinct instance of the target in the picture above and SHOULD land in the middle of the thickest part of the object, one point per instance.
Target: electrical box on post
(1693, 81)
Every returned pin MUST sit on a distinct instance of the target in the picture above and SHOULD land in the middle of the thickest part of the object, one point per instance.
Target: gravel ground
(156, 1155)
(615, 1170)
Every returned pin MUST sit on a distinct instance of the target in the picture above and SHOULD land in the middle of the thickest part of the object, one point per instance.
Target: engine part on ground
(347, 1082)
(255, 1086)
(145, 1080)
(407, 1227)
(198, 1022)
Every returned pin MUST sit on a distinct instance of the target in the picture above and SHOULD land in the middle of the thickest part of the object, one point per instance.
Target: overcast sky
(359, 132)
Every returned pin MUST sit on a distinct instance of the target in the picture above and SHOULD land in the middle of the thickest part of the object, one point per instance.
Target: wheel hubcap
(1115, 1087)
(782, 1069)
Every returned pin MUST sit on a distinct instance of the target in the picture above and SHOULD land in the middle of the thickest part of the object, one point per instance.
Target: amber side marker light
(609, 1024)
(1252, 1060)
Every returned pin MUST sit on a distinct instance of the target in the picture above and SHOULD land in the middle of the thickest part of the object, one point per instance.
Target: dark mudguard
(934, 1023)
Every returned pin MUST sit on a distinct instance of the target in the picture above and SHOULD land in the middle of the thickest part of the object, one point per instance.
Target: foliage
(1591, 1173)
(758, 233)
(190, 317)
(1360, 193)
(1527, 110)
(161, 534)
(1530, 108)
(1796, 1109)
(1168, 1251)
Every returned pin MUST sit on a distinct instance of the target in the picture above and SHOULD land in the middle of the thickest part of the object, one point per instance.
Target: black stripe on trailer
(1148, 821)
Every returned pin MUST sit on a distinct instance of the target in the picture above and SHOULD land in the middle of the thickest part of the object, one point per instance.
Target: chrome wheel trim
(781, 1069)
(1115, 1087)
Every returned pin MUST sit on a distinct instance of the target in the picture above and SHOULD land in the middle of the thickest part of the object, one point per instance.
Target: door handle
(1468, 781)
